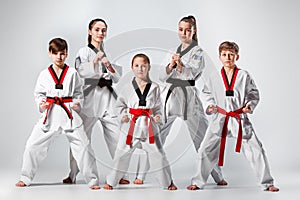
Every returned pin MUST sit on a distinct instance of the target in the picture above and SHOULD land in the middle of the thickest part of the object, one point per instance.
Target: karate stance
(99, 74)
(182, 98)
(229, 105)
(59, 100)
(140, 105)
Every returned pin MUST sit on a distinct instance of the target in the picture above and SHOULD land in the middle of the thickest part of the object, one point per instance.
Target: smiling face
(140, 68)
(185, 32)
(98, 32)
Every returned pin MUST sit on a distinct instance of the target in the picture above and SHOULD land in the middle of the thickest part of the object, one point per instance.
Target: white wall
(267, 32)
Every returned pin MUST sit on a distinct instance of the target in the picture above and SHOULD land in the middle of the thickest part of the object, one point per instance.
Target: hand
(43, 105)
(105, 61)
(169, 68)
(125, 119)
(175, 57)
(212, 109)
(107, 64)
(99, 56)
(156, 118)
(76, 106)
(247, 108)
(178, 63)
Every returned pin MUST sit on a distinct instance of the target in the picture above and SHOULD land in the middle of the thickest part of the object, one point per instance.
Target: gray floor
(242, 182)
(46, 187)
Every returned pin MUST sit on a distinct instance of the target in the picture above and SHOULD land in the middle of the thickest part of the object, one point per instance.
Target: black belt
(182, 84)
(102, 82)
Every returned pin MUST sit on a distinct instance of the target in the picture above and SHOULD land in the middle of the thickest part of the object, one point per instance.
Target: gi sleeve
(40, 90)
(251, 93)
(84, 65)
(158, 107)
(78, 89)
(208, 96)
(118, 73)
(196, 63)
(121, 107)
(163, 76)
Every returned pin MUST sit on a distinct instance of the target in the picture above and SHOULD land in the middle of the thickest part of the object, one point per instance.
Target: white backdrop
(267, 32)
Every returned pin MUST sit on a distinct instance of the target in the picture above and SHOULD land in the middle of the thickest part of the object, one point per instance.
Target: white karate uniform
(245, 91)
(194, 63)
(157, 158)
(143, 164)
(98, 103)
(57, 123)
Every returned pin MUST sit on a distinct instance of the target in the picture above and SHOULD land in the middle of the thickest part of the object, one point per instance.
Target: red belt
(235, 114)
(59, 101)
(136, 113)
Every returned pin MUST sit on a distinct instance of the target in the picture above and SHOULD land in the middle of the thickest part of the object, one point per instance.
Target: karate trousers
(37, 147)
(111, 136)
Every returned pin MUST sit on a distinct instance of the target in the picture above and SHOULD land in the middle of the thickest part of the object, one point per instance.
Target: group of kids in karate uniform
(71, 102)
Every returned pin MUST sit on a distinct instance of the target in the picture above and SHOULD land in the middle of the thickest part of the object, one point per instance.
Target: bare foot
(193, 187)
(95, 187)
(222, 183)
(272, 188)
(107, 187)
(68, 180)
(20, 184)
(138, 181)
(172, 186)
(124, 181)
